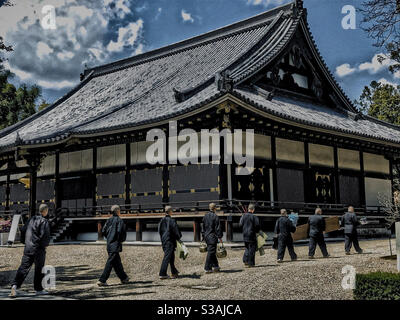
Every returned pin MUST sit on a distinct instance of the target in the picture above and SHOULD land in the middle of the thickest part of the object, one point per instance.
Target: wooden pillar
(99, 231)
(94, 179)
(128, 175)
(165, 172)
(139, 230)
(274, 169)
(229, 229)
(32, 193)
(8, 192)
(362, 181)
(196, 230)
(306, 174)
(336, 173)
(57, 191)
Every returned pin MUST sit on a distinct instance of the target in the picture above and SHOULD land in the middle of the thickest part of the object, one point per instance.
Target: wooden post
(138, 230)
(99, 232)
(229, 229)
(196, 230)
(32, 193)
(398, 245)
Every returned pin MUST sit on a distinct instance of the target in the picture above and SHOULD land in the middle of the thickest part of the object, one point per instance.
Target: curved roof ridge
(237, 27)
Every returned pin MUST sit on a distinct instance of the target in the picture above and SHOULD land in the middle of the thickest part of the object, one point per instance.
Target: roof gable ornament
(18, 140)
(297, 7)
(224, 81)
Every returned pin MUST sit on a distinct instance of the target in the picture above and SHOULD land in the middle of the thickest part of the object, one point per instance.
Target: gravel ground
(79, 266)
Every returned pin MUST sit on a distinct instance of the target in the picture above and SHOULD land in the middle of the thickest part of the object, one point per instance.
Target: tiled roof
(146, 88)
(318, 115)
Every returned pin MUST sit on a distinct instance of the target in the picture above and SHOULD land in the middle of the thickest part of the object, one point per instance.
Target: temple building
(87, 151)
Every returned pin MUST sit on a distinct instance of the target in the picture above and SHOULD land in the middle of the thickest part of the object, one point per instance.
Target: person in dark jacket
(350, 222)
(212, 233)
(35, 234)
(115, 232)
(169, 234)
(283, 229)
(250, 225)
(316, 228)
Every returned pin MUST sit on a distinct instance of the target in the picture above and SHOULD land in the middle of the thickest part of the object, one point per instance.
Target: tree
(381, 101)
(381, 21)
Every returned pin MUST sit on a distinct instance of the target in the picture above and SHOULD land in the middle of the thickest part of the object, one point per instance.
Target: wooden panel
(301, 232)
(332, 224)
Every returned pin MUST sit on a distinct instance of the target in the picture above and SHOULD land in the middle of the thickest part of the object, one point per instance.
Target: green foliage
(381, 101)
(16, 104)
(377, 286)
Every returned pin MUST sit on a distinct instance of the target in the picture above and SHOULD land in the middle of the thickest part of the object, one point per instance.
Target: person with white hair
(36, 237)
(115, 232)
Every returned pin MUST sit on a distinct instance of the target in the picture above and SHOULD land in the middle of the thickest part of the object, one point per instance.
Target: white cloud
(66, 55)
(374, 65)
(127, 36)
(265, 2)
(186, 16)
(43, 50)
(55, 84)
(159, 11)
(344, 70)
(55, 58)
(384, 81)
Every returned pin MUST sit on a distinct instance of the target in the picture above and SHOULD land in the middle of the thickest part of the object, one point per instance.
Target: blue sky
(97, 32)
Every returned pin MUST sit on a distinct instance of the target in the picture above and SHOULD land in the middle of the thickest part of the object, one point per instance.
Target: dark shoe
(42, 293)
(294, 259)
(360, 252)
(175, 276)
(14, 292)
(126, 281)
(217, 269)
(327, 256)
(311, 257)
(102, 284)
(164, 277)
(280, 261)
(208, 271)
(348, 253)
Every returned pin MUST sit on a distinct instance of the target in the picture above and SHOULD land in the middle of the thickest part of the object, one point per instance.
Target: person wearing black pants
(250, 225)
(211, 232)
(283, 229)
(115, 232)
(36, 237)
(350, 223)
(169, 234)
(316, 228)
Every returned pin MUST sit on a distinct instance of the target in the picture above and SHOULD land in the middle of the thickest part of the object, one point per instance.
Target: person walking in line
(283, 229)
(350, 223)
(35, 234)
(250, 225)
(316, 228)
(169, 234)
(212, 233)
(115, 232)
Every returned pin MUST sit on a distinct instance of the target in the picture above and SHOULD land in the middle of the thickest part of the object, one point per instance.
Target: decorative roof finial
(18, 140)
(299, 4)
